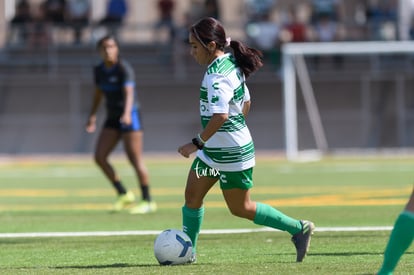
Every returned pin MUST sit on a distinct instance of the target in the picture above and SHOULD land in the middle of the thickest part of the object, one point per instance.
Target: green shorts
(228, 180)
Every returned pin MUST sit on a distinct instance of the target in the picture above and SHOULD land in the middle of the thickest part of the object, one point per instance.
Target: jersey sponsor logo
(203, 108)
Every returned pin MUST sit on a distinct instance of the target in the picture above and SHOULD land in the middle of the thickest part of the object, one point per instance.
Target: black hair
(210, 29)
(104, 38)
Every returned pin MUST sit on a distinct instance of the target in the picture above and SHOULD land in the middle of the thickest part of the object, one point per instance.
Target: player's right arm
(91, 123)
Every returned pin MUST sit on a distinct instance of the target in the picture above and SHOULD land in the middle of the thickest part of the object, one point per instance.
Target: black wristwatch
(197, 143)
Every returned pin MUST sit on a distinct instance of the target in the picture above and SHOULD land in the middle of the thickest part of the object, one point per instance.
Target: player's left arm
(129, 102)
(129, 93)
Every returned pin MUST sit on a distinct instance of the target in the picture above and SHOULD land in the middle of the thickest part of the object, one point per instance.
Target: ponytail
(248, 59)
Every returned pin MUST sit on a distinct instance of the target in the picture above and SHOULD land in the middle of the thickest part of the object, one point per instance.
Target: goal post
(294, 68)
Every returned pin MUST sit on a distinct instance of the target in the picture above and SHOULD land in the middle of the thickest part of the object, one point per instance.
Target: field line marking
(156, 232)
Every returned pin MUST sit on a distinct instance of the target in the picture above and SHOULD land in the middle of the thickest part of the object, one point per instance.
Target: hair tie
(228, 40)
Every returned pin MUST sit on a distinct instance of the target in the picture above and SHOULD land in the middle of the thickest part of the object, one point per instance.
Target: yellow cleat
(144, 207)
(123, 201)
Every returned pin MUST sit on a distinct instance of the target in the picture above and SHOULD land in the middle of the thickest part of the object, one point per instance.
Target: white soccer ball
(173, 247)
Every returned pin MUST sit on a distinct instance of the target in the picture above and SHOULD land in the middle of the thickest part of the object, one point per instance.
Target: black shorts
(114, 123)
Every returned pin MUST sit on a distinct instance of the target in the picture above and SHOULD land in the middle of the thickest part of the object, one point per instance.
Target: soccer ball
(173, 247)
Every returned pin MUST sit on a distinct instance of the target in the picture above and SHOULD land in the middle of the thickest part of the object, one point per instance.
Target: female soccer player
(225, 150)
(115, 81)
(400, 239)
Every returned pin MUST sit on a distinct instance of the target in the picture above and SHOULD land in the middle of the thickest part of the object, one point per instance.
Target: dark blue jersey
(111, 81)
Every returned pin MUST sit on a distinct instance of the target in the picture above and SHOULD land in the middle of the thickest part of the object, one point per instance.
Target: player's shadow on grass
(117, 265)
(336, 254)
(347, 254)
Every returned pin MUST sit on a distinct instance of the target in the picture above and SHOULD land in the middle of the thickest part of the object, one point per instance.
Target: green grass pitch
(41, 195)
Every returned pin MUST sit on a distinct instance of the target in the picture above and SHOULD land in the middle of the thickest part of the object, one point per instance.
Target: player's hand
(91, 125)
(187, 149)
(126, 119)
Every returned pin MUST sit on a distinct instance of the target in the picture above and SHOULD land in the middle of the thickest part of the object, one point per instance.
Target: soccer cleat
(123, 201)
(302, 239)
(144, 207)
(193, 258)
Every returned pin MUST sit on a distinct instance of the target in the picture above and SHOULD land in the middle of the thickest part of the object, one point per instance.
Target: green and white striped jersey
(223, 90)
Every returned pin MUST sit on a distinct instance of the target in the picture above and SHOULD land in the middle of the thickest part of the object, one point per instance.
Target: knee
(238, 212)
(243, 211)
(99, 159)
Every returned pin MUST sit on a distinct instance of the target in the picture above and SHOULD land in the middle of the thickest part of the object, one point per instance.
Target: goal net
(365, 70)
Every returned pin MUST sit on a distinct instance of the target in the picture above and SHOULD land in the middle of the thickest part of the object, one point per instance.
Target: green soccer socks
(192, 220)
(400, 239)
(269, 216)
